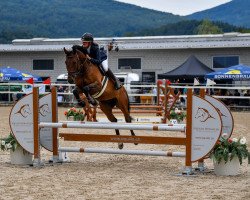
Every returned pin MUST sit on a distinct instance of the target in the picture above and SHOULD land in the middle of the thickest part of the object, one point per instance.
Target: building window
(45, 64)
(148, 77)
(129, 63)
(225, 61)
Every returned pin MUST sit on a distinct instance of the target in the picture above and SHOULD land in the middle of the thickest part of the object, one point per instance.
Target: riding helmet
(87, 37)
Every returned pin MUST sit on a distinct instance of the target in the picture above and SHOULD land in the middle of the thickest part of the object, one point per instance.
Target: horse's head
(74, 62)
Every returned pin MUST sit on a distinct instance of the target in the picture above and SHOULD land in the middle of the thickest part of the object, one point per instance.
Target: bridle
(79, 67)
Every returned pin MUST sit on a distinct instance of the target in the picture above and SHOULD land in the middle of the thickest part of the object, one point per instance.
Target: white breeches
(105, 65)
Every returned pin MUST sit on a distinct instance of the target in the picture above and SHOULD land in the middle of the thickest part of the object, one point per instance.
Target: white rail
(121, 151)
(121, 126)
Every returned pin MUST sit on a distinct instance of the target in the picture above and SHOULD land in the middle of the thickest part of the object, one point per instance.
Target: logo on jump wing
(25, 110)
(219, 111)
(203, 115)
(44, 109)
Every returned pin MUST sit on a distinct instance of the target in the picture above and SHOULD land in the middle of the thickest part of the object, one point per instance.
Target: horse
(90, 81)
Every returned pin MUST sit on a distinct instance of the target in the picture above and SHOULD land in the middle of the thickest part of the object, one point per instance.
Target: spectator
(183, 99)
(60, 97)
(19, 95)
(236, 94)
(154, 92)
(226, 100)
(247, 101)
(14, 97)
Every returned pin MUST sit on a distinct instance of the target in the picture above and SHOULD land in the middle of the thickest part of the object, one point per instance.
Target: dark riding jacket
(97, 55)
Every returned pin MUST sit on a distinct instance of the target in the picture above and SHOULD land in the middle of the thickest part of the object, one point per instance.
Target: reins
(79, 67)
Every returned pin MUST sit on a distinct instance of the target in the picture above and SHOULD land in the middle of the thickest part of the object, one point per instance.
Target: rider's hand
(88, 57)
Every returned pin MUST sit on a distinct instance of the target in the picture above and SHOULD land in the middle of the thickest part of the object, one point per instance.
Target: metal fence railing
(139, 94)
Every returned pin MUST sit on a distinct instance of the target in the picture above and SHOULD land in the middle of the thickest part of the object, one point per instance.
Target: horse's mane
(79, 48)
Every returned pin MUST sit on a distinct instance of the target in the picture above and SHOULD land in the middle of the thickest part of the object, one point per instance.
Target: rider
(98, 57)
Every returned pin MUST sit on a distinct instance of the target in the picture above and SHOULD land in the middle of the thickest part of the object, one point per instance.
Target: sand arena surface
(98, 176)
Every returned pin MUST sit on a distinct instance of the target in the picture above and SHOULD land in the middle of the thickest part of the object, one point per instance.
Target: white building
(147, 56)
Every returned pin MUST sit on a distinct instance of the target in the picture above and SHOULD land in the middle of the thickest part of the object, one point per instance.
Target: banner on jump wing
(22, 126)
(206, 128)
(21, 122)
(226, 115)
(45, 115)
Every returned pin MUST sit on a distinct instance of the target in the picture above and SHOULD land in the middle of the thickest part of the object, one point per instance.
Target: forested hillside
(235, 12)
(108, 18)
(190, 27)
(71, 18)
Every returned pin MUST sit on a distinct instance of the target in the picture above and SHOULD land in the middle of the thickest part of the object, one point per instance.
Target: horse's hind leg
(124, 107)
(128, 119)
(107, 109)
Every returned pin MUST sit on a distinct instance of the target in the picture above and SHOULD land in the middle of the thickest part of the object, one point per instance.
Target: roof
(227, 40)
(190, 69)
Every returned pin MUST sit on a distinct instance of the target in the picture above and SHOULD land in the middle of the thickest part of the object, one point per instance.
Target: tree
(207, 27)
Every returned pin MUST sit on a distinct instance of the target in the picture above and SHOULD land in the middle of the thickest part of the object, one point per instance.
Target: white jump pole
(107, 122)
(126, 152)
(96, 125)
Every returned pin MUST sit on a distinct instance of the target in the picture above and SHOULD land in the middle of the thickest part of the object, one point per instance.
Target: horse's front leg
(92, 88)
(78, 95)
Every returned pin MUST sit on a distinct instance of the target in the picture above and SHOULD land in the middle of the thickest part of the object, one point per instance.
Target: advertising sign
(206, 128)
(21, 122)
(226, 116)
(45, 115)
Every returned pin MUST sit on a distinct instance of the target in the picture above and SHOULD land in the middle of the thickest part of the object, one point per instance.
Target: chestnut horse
(90, 81)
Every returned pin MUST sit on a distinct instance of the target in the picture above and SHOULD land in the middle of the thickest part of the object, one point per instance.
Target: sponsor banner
(226, 115)
(206, 128)
(232, 76)
(21, 122)
(45, 115)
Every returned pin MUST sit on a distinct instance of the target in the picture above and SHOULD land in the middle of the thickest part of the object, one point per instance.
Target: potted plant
(18, 155)
(73, 113)
(228, 154)
(176, 115)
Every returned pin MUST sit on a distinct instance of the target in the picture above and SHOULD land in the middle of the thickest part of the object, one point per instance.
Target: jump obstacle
(34, 122)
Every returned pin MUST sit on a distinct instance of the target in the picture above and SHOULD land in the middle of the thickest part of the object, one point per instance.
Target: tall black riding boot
(117, 83)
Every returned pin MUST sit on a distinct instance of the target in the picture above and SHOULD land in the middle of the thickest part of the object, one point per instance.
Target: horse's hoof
(120, 145)
(136, 143)
(82, 104)
(94, 103)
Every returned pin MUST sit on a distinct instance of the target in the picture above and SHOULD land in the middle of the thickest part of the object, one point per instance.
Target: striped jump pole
(121, 151)
(96, 125)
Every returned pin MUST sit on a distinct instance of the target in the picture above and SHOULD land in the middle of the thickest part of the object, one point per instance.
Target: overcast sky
(180, 7)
